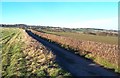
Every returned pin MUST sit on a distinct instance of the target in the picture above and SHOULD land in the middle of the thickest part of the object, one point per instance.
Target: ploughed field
(101, 49)
(23, 56)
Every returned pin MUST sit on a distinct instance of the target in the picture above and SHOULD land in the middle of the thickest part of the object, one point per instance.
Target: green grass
(103, 62)
(13, 57)
(11, 52)
(81, 36)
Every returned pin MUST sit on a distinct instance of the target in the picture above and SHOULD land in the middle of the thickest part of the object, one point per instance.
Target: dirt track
(76, 65)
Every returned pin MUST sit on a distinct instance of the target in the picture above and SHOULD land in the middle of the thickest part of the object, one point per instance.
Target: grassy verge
(22, 56)
(104, 63)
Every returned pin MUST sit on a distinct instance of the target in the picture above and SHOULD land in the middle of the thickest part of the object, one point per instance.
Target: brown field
(102, 53)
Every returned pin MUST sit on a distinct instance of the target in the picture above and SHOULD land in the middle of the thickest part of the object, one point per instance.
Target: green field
(81, 36)
(14, 62)
(11, 52)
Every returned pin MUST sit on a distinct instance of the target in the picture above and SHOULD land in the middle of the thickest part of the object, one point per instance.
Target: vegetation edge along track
(60, 52)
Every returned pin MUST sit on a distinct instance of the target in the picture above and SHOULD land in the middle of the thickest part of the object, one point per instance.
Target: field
(23, 56)
(103, 53)
(87, 37)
